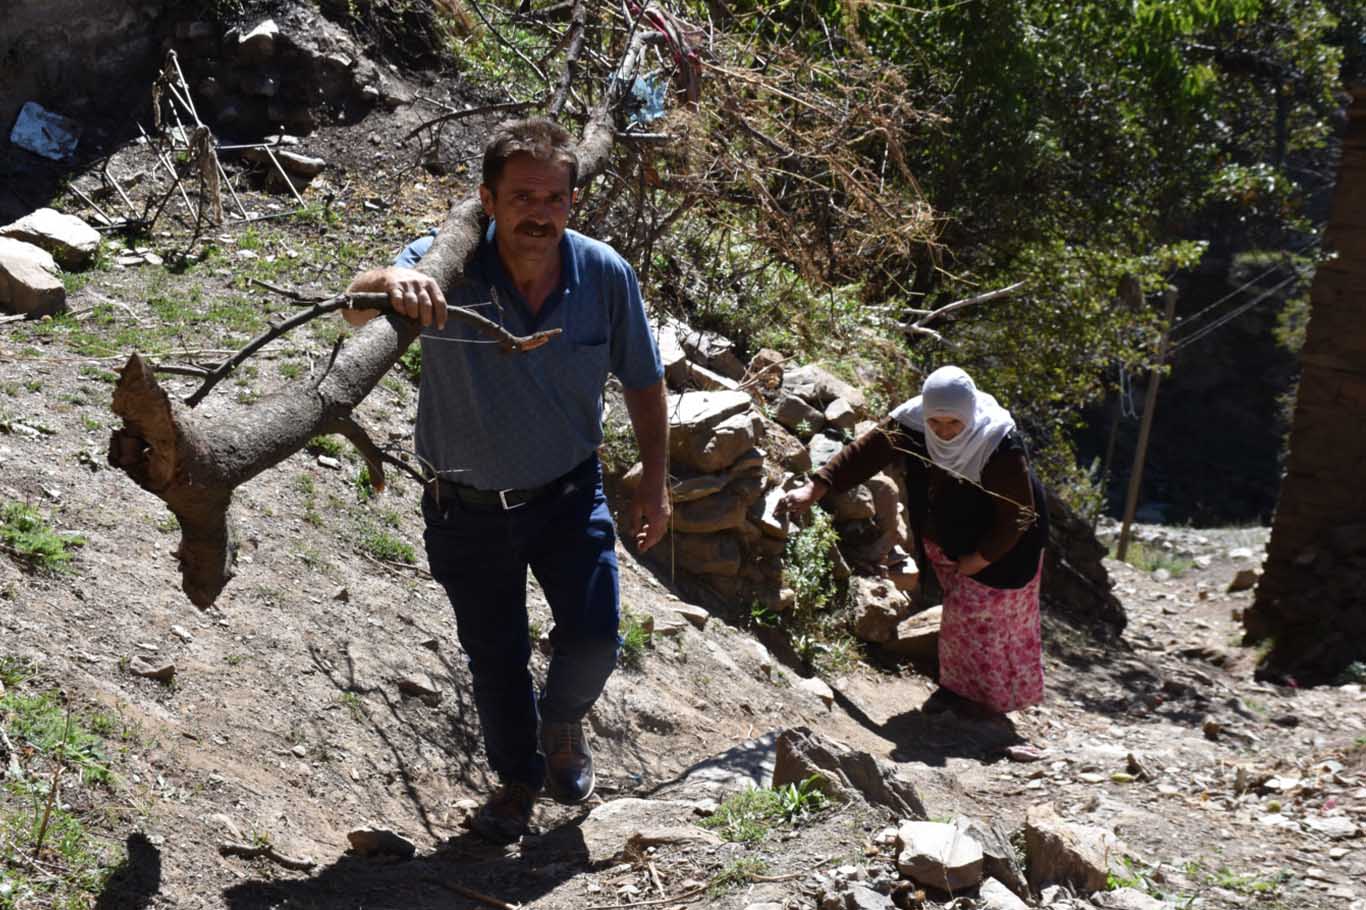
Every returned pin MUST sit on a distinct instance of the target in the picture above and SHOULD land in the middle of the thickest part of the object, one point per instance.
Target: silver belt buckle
(503, 498)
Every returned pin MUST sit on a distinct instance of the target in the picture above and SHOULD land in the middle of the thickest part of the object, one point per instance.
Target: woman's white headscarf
(950, 392)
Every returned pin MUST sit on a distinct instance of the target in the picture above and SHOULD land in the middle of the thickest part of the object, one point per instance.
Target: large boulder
(843, 772)
(30, 282)
(820, 387)
(878, 608)
(71, 241)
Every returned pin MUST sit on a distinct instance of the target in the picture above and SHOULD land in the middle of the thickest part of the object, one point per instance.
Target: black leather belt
(504, 500)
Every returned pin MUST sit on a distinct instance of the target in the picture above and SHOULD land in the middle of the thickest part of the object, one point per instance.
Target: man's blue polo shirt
(498, 421)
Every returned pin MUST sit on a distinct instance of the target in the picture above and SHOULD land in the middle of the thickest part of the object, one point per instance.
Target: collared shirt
(498, 421)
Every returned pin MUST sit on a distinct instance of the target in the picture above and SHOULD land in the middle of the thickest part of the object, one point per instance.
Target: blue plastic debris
(44, 133)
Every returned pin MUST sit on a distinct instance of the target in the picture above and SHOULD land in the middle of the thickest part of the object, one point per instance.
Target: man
(510, 441)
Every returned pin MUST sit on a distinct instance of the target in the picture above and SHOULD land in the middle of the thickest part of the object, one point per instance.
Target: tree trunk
(1308, 603)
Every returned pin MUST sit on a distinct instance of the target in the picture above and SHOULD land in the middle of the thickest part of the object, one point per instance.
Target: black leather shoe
(569, 762)
(507, 814)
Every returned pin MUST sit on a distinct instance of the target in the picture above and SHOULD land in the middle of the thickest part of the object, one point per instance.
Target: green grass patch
(1150, 559)
(48, 856)
(736, 873)
(635, 640)
(383, 545)
(26, 536)
(747, 817)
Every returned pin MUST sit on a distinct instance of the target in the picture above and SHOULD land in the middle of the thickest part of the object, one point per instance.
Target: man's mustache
(534, 228)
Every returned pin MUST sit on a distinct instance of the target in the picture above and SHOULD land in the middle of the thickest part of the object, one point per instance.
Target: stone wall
(1309, 601)
(77, 57)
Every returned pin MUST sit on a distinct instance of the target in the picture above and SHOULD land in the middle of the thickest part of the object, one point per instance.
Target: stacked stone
(731, 464)
(266, 76)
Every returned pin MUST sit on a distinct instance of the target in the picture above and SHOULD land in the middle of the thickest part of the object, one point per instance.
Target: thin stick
(969, 301)
(288, 182)
(88, 201)
(54, 787)
(476, 896)
(266, 851)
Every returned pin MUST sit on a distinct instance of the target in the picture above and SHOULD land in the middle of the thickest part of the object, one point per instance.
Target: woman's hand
(972, 564)
(800, 500)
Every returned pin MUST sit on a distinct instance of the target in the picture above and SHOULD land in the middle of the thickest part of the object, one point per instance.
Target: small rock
(817, 687)
(1161, 575)
(380, 842)
(1025, 753)
(840, 415)
(1127, 899)
(1244, 580)
(419, 685)
(1203, 562)
(300, 751)
(938, 855)
(698, 616)
(996, 896)
(1240, 553)
(182, 633)
(161, 671)
(1211, 728)
(1337, 827)
(342, 595)
(327, 461)
(861, 897)
(761, 655)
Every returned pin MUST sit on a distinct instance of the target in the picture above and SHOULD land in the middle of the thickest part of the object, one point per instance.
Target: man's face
(531, 205)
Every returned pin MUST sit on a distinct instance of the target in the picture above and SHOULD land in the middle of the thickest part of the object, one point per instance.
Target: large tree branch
(194, 461)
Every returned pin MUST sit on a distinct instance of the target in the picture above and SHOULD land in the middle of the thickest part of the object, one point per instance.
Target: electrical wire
(1231, 315)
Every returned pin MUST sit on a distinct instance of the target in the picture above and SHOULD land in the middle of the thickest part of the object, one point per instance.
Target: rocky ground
(324, 692)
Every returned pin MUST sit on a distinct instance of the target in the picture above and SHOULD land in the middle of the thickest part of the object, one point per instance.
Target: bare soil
(286, 720)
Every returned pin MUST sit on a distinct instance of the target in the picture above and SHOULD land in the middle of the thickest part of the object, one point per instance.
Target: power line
(1185, 320)
(1232, 314)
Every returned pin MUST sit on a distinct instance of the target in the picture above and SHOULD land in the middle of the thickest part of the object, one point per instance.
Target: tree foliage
(850, 162)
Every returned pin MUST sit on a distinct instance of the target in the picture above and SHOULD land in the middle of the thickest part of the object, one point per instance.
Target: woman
(977, 512)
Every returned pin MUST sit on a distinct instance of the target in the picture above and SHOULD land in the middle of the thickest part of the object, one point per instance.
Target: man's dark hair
(539, 137)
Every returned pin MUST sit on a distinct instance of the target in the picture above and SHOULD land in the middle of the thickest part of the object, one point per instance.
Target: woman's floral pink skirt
(990, 641)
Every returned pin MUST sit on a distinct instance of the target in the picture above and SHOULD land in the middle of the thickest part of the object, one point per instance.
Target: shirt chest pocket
(587, 326)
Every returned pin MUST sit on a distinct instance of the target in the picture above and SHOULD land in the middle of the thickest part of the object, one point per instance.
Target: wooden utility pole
(1145, 427)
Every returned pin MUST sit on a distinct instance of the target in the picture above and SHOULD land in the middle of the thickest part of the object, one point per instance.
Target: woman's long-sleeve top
(956, 515)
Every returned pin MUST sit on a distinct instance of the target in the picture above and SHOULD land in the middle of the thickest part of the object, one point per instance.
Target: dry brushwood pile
(192, 417)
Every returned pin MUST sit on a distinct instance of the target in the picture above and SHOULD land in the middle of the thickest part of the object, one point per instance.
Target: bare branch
(578, 26)
(469, 112)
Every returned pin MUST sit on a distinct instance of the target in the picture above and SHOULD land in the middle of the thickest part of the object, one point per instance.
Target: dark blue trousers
(481, 559)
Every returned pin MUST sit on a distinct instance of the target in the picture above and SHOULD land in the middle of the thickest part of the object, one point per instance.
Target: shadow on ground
(459, 875)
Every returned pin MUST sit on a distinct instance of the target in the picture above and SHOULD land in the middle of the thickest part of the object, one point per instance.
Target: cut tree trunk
(194, 461)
